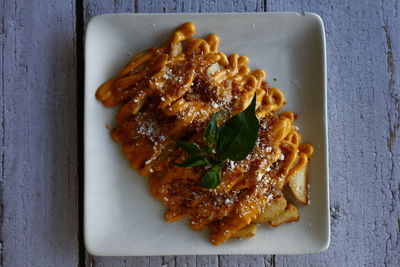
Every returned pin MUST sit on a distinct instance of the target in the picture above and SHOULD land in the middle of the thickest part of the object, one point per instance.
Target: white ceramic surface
(120, 215)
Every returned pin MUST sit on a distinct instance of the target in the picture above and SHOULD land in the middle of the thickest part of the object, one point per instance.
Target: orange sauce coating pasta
(171, 92)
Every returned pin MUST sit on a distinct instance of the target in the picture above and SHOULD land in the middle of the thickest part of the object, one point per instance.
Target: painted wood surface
(39, 215)
(39, 194)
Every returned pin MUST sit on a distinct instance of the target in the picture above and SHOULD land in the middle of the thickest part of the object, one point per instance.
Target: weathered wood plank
(39, 146)
(2, 37)
(364, 119)
(243, 261)
(93, 8)
(195, 6)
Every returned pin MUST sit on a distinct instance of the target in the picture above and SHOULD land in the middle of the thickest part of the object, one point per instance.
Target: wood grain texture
(195, 6)
(94, 8)
(38, 100)
(364, 119)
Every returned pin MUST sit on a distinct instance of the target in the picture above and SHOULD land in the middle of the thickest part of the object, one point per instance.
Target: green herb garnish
(234, 141)
(212, 178)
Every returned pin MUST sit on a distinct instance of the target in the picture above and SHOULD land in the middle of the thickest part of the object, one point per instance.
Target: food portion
(206, 130)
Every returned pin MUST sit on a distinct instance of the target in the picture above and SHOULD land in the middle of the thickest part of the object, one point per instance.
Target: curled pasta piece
(281, 129)
(197, 46)
(213, 41)
(184, 32)
(294, 138)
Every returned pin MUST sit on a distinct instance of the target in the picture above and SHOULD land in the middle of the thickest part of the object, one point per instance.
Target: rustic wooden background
(41, 131)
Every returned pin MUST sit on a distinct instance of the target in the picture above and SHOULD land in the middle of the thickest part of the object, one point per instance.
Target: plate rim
(327, 238)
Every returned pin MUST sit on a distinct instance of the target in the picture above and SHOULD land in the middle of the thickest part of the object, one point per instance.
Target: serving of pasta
(170, 93)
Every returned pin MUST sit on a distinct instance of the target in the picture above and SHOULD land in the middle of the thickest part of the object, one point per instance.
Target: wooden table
(41, 131)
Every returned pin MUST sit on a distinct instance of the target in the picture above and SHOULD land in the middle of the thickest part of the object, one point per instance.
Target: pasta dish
(169, 94)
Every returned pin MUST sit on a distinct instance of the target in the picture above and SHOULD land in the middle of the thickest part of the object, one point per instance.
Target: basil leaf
(190, 148)
(237, 137)
(211, 132)
(212, 178)
(193, 162)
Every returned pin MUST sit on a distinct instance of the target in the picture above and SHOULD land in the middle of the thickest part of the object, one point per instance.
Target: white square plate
(120, 215)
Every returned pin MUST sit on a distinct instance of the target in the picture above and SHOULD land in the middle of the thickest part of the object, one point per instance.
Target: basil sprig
(234, 141)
